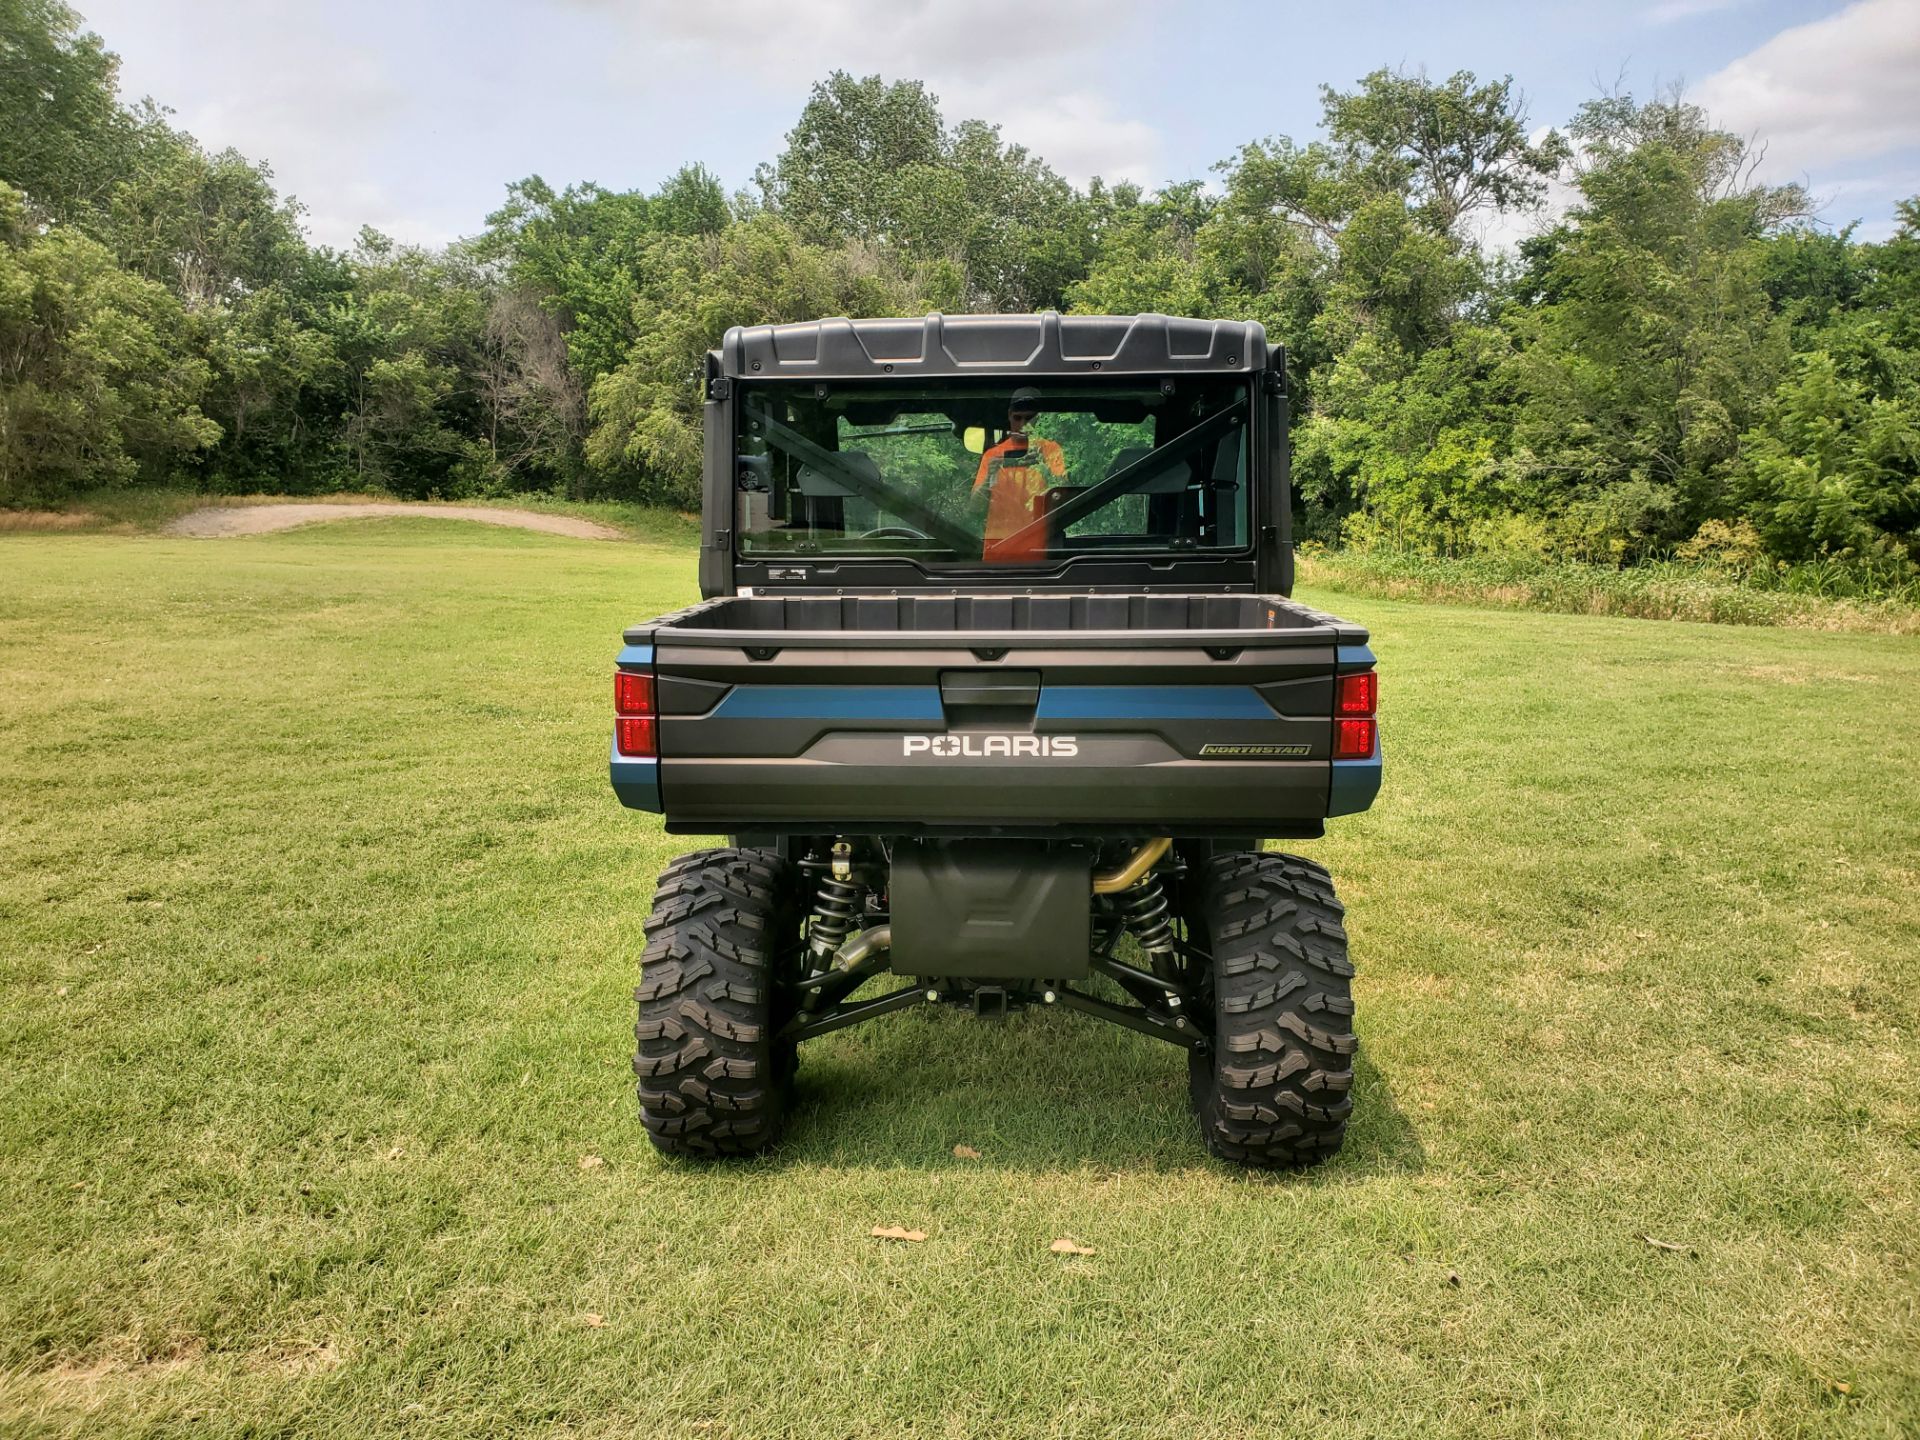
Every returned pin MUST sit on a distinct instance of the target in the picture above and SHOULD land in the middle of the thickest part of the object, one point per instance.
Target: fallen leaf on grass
(1067, 1245)
(966, 1152)
(591, 1162)
(896, 1232)
(593, 1321)
(1670, 1246)
(1453, 1278)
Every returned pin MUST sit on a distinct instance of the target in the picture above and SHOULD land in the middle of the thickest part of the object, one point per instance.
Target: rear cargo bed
(1115, 713)
(790, 614)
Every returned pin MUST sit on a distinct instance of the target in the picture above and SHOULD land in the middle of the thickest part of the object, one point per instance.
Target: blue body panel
(636, 782)
(1355, 783)
(1152, 702)
(1354, 657)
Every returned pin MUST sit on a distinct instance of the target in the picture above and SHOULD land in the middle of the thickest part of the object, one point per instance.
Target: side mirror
(974, 438)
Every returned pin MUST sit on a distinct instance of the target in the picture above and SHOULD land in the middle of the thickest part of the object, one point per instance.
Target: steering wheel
(894, 532)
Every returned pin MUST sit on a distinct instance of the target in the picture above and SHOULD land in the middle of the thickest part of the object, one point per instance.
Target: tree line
(1680, 362)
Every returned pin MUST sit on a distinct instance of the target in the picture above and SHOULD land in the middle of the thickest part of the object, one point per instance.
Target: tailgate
(923, 732)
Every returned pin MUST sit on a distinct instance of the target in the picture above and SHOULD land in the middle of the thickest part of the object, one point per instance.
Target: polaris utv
(997, 688)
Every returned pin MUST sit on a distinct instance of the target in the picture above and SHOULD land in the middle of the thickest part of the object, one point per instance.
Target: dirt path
(221, 520)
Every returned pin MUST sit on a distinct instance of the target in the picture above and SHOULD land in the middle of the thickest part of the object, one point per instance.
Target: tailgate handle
(999, 689)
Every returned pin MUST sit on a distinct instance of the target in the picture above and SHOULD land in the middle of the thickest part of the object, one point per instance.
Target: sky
(413, 118)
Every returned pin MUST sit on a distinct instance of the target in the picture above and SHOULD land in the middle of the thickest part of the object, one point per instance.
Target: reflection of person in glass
(1015, 473)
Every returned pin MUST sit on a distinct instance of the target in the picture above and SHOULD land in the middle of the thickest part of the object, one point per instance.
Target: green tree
(1014, 233)
(1812, 276)
(1834, 469)
(407, 339)
(215, 232)
(988, 225)
(578, 252)
(1147, 255)
(853, 136)
(64, 140)
(689, 202)
(211, 228)
(99, 383)
(1893, 291)
(1353, 250)
(1412, 448)
(273, 365)
(1452, 148)
(645, 414)
(1659, 346)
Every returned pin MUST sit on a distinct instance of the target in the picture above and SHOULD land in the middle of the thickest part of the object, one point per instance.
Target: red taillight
(637, 736)
(1358, 694)
(1355, 698)
(632, 693)
(636, 731)
(1353, 739)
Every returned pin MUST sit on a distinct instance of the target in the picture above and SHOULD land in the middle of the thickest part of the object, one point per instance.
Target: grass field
(144, 511)
(1823, 595)
(318, 924)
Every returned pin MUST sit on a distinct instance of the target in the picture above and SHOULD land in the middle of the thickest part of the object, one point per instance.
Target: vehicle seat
(1170, 481)
(818, 484)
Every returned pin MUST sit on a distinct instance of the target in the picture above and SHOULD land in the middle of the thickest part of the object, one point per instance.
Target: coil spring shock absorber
(835, 904)
(1137, 894)
(1147, 916)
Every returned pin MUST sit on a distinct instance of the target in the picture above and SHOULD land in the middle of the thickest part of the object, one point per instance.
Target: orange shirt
(1017, 483)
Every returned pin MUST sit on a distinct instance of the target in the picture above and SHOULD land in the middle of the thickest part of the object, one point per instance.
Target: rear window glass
(1014, 475)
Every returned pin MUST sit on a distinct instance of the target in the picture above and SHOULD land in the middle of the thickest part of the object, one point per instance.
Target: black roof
(1045, 344)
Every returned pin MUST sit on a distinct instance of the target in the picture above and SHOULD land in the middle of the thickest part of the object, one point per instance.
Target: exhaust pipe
(1128, 875)
(866, 944)
(855, 960)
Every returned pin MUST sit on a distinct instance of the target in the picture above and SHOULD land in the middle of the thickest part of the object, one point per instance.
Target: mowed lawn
(319, 923)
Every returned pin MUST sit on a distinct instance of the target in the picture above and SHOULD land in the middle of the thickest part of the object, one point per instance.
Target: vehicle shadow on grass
(1041, 1093)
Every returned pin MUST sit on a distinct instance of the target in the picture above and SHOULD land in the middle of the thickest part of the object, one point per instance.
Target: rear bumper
(1277, 798)
(1355, 784)
(636, 782)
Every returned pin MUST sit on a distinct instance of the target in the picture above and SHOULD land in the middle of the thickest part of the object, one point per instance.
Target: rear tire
(1275, 1090)
(713, 1080)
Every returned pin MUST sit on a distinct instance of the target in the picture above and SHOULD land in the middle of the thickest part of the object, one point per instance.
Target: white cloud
(1671, 12)
(411, 116)
(1842, 89)
(1076, 132)
(293, 87)
(384, 112)
(1869, 198)
(1009, 62)
(1834, 103)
